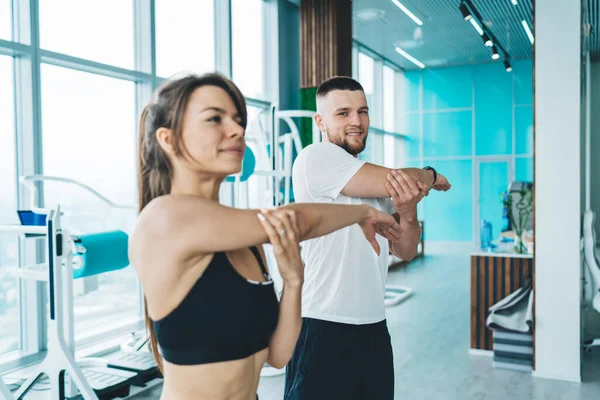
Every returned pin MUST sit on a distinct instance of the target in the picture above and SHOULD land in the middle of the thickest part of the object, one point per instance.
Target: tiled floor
(430, 335)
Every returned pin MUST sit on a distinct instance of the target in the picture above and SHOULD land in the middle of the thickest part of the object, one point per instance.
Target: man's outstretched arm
(370, 181)
(405, 195)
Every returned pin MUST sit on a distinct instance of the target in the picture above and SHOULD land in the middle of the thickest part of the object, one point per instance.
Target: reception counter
(494, 275)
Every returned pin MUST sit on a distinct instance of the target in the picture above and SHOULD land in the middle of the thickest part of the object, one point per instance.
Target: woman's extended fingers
(294, 219)
(276, 219)
(286, 218)
(269, 228)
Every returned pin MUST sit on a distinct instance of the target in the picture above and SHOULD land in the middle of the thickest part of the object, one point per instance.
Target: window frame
(28, 58)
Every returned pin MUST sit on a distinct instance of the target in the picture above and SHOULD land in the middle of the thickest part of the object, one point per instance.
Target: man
(344, 349)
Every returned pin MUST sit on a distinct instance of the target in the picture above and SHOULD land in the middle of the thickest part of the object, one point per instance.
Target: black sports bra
(223, 317)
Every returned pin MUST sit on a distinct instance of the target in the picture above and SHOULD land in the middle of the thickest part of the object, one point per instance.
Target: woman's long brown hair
(166, 110)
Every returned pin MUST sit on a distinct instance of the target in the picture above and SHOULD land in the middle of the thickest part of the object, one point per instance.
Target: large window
(9, 286)
(366, 71)
(5, 20)
(366, 75)
(389, 116)
(97, 65)
(247, 32)
(185, 36)
(100, 31)
(98, 149)
(379, 81)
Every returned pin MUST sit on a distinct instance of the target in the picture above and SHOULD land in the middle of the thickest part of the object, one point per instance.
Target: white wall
(557, 189)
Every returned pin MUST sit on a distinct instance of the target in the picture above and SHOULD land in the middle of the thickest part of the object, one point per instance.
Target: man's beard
(346, 146)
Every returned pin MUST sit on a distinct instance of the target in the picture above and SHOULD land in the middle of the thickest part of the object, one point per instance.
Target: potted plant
(523, 207)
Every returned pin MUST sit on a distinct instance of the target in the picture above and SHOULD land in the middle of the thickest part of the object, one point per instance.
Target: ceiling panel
(445, 38)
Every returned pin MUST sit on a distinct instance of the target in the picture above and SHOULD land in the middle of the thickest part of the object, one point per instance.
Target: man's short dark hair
(338, 83)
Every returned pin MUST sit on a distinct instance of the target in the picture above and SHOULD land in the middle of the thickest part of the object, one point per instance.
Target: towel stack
(511, 322)
(513, 350)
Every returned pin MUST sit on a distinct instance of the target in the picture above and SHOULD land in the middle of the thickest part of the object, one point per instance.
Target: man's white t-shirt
(344, 279)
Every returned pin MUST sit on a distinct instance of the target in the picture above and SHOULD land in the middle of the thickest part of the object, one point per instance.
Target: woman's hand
(379, 222)
(282, 228)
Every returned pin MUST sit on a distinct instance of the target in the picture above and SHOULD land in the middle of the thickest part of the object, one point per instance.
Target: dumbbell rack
(60, 359)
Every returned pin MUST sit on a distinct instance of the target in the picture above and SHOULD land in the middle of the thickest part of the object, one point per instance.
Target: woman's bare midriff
(228, 380)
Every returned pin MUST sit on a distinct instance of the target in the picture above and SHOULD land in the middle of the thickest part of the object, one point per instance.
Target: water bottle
(486, 234)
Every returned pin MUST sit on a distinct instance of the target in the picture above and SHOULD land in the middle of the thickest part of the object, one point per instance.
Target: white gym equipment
(275, 166)
(396, 294)
(67, 376)
(591, 279)
(591, 271)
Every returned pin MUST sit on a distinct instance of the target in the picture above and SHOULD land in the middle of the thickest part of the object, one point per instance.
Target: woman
(211, 307)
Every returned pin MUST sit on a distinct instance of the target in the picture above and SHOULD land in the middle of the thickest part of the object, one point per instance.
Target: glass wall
(380, 80)
(10, 339)
(474, 124)
(248, 49)
(73, 86)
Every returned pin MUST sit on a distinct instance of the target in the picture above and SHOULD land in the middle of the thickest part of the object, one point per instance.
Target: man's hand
(441, 183)
(405, 193)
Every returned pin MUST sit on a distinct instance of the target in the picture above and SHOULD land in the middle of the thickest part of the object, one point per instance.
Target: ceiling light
(527, 30)
(486, 39)
(465, 11)
(495, 54)
(507, 66)
(369, 14)
(514, 2)
(407, 12)
(410, 58)
(476, 26)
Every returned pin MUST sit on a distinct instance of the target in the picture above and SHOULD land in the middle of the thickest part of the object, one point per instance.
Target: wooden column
(325, 40)
(325, 49)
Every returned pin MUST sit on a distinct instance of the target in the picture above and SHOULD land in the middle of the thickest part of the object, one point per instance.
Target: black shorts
(341, 361)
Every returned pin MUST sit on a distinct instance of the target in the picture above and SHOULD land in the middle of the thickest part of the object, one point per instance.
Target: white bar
(527, 30)
(506, 255)
(408, 12)
(295, 113)
(29, 273)
(476, 26)
(410, 58)
(32, 229)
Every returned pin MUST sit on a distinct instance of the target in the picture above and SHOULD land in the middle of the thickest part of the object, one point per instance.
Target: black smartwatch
(428, 168)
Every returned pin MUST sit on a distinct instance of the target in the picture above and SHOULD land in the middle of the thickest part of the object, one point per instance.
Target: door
(492, 177)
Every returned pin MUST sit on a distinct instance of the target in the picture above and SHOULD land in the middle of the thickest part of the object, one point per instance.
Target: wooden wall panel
(492, 279)
(325, 40)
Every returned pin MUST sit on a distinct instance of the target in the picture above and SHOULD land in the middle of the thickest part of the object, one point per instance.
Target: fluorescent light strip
(528, 31)
(514, 2)
(407, 12)
(476, 26)
(410, 58)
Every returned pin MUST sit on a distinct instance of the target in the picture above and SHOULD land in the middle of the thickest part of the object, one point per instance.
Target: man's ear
(319, 122)
(164, 137)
